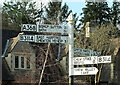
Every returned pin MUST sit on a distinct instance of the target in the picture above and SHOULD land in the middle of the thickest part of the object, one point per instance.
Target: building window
(28, 62)
(16, 61)
(22, 62)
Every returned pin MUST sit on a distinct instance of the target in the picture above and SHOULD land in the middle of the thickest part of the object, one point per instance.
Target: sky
(76, 6)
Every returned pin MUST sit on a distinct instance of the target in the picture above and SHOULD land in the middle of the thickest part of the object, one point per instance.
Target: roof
(7, 34)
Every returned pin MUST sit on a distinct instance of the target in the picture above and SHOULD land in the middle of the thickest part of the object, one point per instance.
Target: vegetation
(96, 11)
(56, 13)
(100, 40)
(115, 12)
(15, 14)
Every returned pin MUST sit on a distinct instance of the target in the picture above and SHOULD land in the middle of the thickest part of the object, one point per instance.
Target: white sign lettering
(85, 60)
(85, 71)
(29, 27)
(91, 60)
(104, 59)
(52, 28)
(85, 52)
(51, 39)
(28, 38)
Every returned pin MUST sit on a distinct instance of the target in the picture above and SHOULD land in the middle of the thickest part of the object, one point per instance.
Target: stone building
(20, 59)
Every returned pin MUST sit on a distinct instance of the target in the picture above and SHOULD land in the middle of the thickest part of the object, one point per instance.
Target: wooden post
(44, 64)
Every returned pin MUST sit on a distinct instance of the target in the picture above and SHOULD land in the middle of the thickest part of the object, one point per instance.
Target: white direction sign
(51, 39)
(52, 28)
(85, 52)
(47, 28)
(85, 60)
(27, 38)
(104, 59)
(44, 38)
(84, 71)
(91, 60)
(29, 27)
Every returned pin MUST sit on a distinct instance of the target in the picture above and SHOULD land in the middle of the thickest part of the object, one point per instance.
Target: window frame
(24, 62)
(28, 63)
(17, 62)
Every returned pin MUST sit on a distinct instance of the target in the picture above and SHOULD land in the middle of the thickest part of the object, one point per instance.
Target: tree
(96, 11)
(100, 40)
(115, 13)
(18, 13)
(56, 13)
(39, 14)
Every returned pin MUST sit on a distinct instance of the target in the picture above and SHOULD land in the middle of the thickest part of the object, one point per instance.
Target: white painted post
(112, 72)
(71, 46)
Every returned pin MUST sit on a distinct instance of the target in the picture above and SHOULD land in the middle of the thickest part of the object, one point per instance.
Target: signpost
(44, 38)
(85, 71)
(46, 28)
(52, 28)
(71, 47)
(93, 57)
(91, 60)
(85, 52)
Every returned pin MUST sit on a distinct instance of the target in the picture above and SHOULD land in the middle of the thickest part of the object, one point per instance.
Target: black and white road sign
(44, 38)
(84, 71)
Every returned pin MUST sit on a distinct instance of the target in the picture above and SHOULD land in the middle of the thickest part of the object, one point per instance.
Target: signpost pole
(71, 47)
